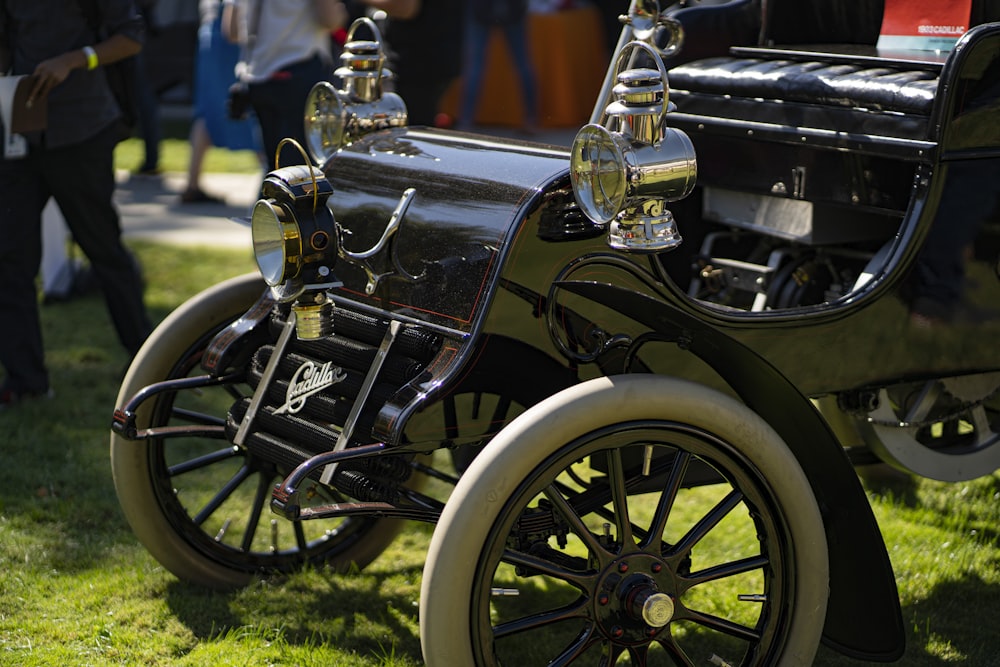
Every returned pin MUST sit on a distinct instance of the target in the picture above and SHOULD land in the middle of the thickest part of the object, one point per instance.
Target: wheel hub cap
(632, 603)
(657, 608)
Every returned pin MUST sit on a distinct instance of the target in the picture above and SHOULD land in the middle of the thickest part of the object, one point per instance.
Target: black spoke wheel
(638, 520)
(199, 503)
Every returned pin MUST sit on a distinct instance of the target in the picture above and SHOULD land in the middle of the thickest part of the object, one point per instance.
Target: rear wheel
(946, 429)
(634, 520)
(199, 504)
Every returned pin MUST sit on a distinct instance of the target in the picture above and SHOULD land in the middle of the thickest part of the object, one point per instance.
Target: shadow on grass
(947, 627)
(358, 612)
(364, 613)
(957, 622)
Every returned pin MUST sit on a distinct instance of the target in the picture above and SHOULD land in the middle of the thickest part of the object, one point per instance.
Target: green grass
(77, 589)
(175, 152)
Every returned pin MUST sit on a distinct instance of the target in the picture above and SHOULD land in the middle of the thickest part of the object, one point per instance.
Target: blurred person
(70, 161)
(423, 40)
(147, 104)
(214, 73)
(511, 17)
(286, 50)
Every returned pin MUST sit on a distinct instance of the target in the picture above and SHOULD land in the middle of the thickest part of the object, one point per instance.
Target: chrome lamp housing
(295, 243)
(627, 167)
(337, 117)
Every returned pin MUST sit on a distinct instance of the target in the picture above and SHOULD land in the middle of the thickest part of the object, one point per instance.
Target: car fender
(861, 575)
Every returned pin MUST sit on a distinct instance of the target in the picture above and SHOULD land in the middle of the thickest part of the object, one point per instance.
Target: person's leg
(268, 118)
(22, 198)
(149, 118)
(200, 143)
(517, 38)
(86, 201)
(475, 41)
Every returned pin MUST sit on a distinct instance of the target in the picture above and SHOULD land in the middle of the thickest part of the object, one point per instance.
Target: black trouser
(280, 103)
(81, 180)
(422, 95)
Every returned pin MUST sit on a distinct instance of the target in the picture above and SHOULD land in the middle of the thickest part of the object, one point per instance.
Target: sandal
(198, 196)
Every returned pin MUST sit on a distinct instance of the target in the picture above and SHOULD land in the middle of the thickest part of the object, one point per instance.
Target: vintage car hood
(440, 265)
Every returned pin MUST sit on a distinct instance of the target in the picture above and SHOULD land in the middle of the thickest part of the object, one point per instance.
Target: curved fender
(861, 575)
(200, 313)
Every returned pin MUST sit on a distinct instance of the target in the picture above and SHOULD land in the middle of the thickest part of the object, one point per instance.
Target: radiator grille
(288, 438)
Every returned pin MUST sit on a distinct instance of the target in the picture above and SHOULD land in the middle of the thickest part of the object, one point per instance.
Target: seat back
(788, 22)
(821, 21)
(985, 11)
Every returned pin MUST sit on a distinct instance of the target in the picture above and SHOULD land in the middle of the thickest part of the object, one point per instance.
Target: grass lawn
(175, 152)
(77, 589)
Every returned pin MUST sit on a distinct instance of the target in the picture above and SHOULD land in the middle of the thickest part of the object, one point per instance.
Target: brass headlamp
(294, 232)
(334, 118)
(623, 177)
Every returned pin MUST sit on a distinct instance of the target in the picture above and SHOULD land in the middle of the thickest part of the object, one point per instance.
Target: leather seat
(810, 82)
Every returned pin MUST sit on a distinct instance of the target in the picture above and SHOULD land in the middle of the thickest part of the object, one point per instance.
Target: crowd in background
(263, 54)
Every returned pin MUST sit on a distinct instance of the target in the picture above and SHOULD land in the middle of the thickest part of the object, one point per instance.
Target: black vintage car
(646, 368)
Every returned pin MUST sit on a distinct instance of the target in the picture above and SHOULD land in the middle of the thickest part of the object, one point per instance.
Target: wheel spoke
(676, 653)
(924, 403)
(726, 570)
(542, 620)
(610, 655)
(241, 475)
(581, 581)
(300, 535)
(619, 500)
(260, 498)
(194, 417)
(639, 655)
(707, 523)
(982, 431)
(720, 625)
(666, 501)
(575, 522)
(203, 461)
(580, 644)
(500, 412)
(234, 391)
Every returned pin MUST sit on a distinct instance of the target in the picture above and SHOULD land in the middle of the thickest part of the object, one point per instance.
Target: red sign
(928, 25)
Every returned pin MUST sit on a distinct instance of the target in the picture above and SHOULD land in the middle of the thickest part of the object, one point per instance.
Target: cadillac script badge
(309, 379)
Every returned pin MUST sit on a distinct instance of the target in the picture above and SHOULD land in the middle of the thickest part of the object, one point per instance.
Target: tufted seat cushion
(811, 82)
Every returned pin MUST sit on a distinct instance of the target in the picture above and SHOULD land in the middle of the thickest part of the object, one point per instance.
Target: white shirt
(287, 32)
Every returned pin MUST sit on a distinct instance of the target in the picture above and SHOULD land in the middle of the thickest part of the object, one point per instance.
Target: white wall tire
(159, 508)
(463, 562)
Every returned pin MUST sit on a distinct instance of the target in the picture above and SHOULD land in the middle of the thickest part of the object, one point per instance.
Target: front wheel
(639, 520)
(199, 504)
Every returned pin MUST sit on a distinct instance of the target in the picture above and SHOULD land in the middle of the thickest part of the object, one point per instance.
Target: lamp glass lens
(597, 170)
(269, 242)
(324, 121)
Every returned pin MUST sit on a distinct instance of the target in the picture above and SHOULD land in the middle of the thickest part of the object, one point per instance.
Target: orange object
(568, 51)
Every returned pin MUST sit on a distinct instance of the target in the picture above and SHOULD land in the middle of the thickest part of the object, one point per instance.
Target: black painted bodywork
(508, 266)
(515, 291)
